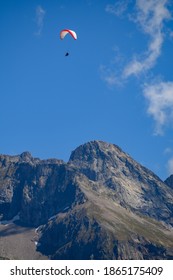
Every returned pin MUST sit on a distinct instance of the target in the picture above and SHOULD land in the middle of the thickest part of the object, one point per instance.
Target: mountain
(169, 181)
(101, 204)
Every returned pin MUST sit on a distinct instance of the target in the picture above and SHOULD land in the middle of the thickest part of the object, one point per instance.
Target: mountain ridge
(101, 204)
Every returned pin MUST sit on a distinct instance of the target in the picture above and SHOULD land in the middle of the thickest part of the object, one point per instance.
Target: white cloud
(150, 16)
(40, 14)
(160, 104)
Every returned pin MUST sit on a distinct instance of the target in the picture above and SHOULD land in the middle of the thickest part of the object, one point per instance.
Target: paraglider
(65, 32)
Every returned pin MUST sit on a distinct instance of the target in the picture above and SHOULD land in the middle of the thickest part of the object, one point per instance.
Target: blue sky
(116, 85)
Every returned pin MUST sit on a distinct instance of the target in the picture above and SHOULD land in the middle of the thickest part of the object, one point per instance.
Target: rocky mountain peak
(94, 150)
(94, 158)
(26, 156)
(101, 160)
(124, 180)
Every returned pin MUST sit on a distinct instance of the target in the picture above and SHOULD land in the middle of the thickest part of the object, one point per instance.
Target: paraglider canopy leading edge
(64, 32)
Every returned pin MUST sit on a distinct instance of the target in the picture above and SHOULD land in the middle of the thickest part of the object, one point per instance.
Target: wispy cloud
(111, 74)
(170, 166)
(150, 16)
(160, 104)
(40, 14)
(167, 151)
(118, 8)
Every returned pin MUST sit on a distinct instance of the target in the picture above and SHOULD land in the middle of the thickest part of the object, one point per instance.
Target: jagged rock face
(48, 190)
(37, 189)
(102, 204)
(10, 189)
(133, 186)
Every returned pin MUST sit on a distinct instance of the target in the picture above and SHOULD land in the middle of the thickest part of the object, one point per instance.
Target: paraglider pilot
(64, 32)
